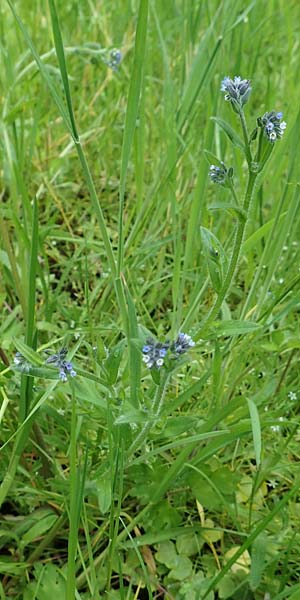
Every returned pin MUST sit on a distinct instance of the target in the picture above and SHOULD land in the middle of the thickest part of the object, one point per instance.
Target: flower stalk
(237, 92)
(240, 230)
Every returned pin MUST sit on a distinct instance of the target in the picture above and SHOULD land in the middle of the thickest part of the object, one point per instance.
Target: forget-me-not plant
(155, 353)
(65, 367)
(237, 92)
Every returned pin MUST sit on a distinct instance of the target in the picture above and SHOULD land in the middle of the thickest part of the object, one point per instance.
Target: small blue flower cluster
(154, 352)
(21, 362)
(65, 367)
(272, 125)
(114, 59)
(182, 344)
(237, 91)
(218, 174)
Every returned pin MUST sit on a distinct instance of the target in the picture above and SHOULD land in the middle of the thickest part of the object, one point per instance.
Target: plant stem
(246, 138)
(73, 525)
(233, 193)
(241, 226)
(155, 412)
(107, 244)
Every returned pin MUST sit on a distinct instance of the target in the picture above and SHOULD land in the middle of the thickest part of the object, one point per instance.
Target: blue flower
(19, 359)
(62, 375)
(65, 367)
(218, 174)
(114, 59)
(182, 344)
(237, 91)
(272, 125)
(154, 353)
(21, 363)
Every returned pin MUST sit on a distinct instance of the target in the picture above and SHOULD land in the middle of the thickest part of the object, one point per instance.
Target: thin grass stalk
(27, 382)
(16, 453)
(69, 121)
(26, 390)
(73, 512)
(13, 265)
(135, 89)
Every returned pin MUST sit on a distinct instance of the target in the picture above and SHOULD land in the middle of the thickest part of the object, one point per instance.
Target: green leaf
(43, 524)
(189, 544)
(258, 559)
(295, 595)
(227, 587)
(90, 391)
(52, 584)
(177, 425)
(262, 525)
(215, 257)
(104, 494)
(231, 134)
(8, 567)
(133, 102)
(131, 415)
(233, 209)
(134, 93)
(167, 554)
(183, 568)
(194, 588)
(256, 430)
(235, 327)
(212, 159)
(33, 357)
(62, 65)
(252, 240)
(113, 361)
(32, 371)
(33, 265)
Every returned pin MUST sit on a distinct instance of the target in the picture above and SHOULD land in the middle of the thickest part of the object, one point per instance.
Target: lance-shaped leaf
(215, 257)
(231, 134)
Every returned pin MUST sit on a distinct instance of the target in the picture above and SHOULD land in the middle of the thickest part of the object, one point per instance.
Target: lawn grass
(123, 482)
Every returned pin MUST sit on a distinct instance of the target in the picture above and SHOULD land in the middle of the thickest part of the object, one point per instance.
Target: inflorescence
(272, 125)
(21, 362)
(65, 367)
(154, 352)
(218, 174)
(114, 58)
(237, 91)
(58, 360)
(182, 344)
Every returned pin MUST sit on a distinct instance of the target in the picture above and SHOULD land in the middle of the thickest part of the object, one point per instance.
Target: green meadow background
(128, 483)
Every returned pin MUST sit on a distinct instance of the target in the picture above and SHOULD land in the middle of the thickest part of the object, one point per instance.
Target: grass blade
(62, 65)
(136, 83)
(256, 430)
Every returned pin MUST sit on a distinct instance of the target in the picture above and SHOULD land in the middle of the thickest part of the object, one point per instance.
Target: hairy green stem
(155, 412)
(241, 226)
(246, 138)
